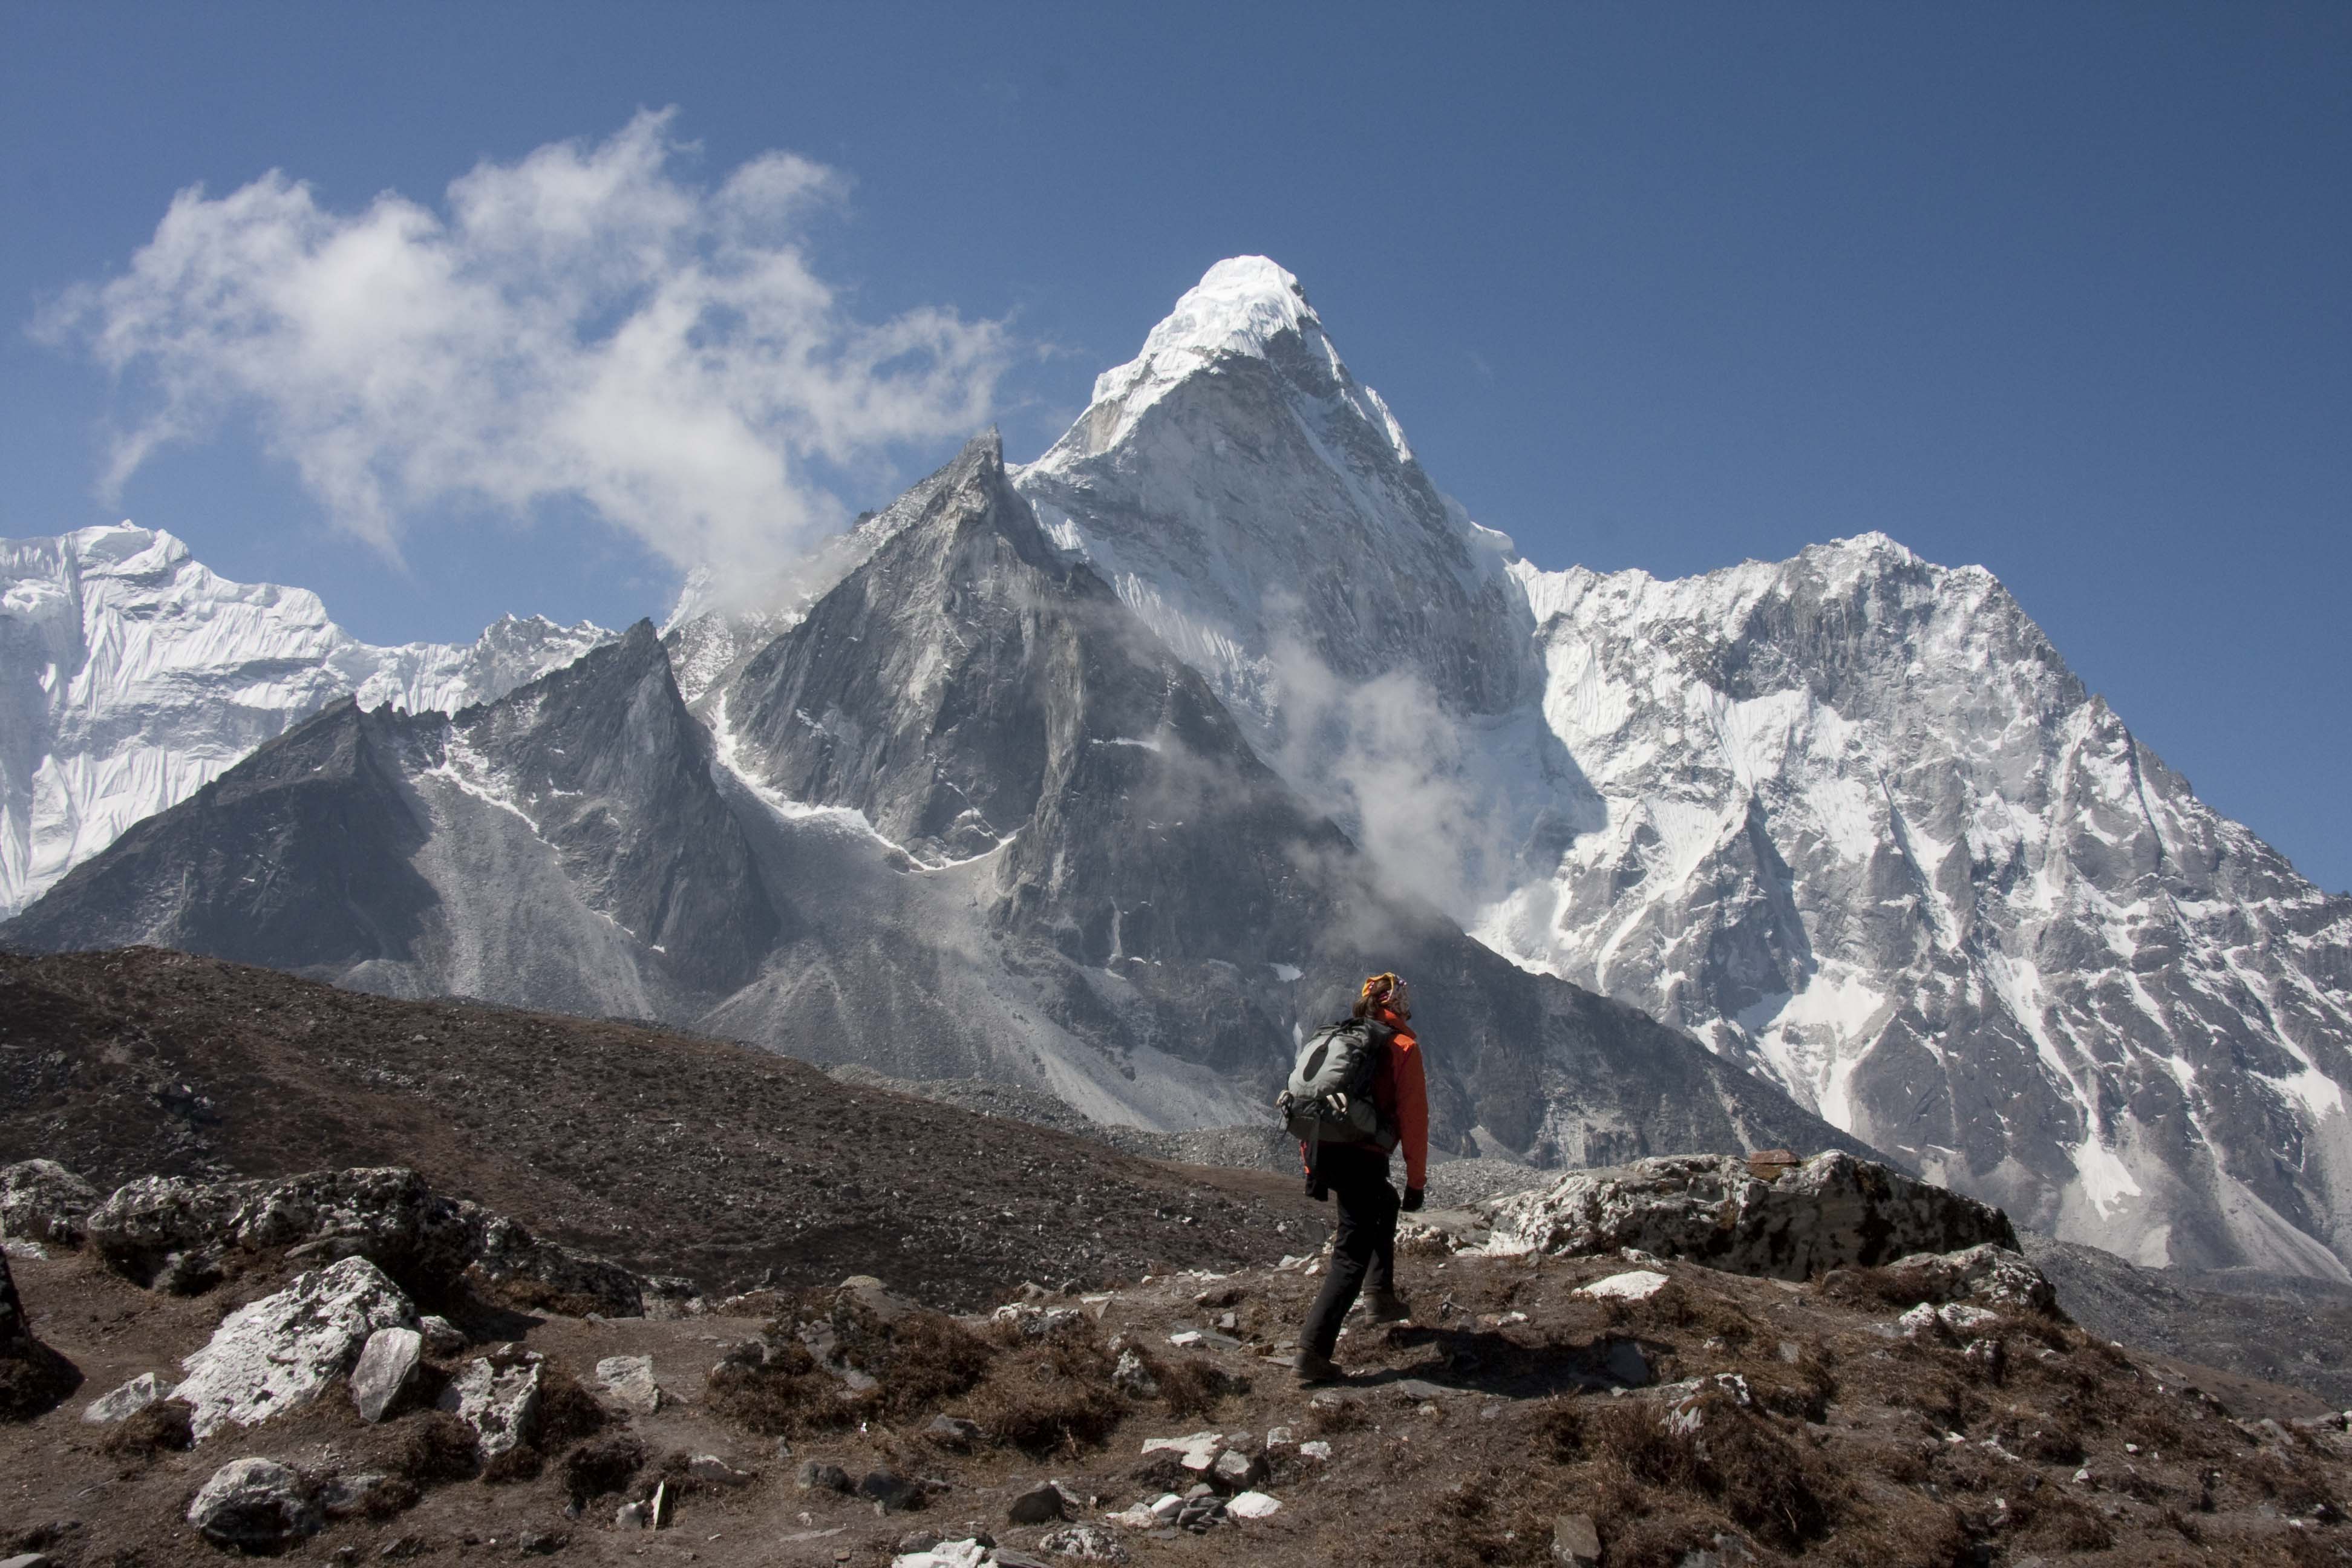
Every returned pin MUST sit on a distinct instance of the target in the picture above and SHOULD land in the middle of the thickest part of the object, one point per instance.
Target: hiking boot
(1313, 1368)
(1387, 1307)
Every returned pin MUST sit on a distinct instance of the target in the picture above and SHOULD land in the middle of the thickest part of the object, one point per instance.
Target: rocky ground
(671, 1152)
(1540, 1407)
(538, 1341)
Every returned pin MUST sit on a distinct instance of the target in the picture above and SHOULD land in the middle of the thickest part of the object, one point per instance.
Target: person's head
(1388, 990)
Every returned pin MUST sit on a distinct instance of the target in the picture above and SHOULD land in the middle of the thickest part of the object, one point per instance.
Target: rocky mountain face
(1099, 774)
(1849, 819)
(968, 818)
(131, 676)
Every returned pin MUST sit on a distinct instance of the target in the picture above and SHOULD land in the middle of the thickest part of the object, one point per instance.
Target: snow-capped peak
(1245, 307)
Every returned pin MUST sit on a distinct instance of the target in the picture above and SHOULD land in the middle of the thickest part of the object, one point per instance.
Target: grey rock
(1831, 1211)
(818, 1476)
(40, 1200)
(629, 1380)
(1132, 1378)
(29, 1560)
(278, 1352)
(255, 1505)
(1575, 1543)
(1038, 1505)
(1990, 1273)
(386, 1368)
(173, 1234)
(1236, 1471)
(953, 1432)
(713, 1471)
(442, 1338)
(888, 1490)
(121, 1404)
(1087, 1542)
(497, 1396)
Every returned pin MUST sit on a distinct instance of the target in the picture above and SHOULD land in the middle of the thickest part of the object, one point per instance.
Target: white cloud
(582, 324)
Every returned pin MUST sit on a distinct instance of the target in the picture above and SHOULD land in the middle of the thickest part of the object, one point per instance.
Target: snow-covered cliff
(131, 676)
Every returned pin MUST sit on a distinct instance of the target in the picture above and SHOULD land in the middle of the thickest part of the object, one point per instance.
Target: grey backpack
(1328, 1098)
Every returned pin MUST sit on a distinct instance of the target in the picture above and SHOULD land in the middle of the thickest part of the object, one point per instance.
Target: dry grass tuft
(1052, 1395)
(162, 1427)
(435, 1446)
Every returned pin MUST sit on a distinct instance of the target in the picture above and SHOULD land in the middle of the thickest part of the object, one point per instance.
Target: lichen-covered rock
(1993, 1274)
(172, 1233)
(147, 1222)
(280, 1351)
(40, 1200)
(255, 1505)
(121, 1404)
(497, 1396)
(1831, 1211)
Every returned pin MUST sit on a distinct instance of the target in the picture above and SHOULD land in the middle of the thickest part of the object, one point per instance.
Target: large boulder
(40, 1200)
(172, 1232)
(255, 1505)
(1784, 1222)
(280, 1351)
(34, 1379)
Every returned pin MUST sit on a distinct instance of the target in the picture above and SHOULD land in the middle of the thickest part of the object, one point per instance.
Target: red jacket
(1402, 1092)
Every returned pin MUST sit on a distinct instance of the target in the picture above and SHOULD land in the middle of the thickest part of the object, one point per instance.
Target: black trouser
(1363, 1252)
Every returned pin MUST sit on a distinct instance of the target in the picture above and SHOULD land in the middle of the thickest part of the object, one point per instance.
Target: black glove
(1412, 1199)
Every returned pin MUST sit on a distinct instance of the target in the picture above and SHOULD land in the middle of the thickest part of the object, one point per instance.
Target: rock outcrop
(1779, 1221)
(281, 1350)
(40, 1200)
(169, 1231)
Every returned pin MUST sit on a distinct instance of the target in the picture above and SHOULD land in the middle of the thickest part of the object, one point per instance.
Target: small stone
(541, 1542)
(1318, 1450)
(713, 1471)
(1279, 1437)
(628, 1381)
(442, 1337)
(387, 1365)
(29, 1560)
(953, 1432)
(816, 1476)
(1920, 1322)
(1038, 1505)
(1575, 1543)
(1087, 1542)
(1132, 1378)
(1253, 1505)
(254, 1505)
(918, 1541)
(1186, 1338)
(888, 1490)
(1634, 1285)
(632, 1516)
(1167, 1506)
(1235, 1471)
(1230, 1322)
(122, 1403)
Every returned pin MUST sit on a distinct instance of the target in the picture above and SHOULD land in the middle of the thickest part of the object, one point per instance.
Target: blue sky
(2063, 290)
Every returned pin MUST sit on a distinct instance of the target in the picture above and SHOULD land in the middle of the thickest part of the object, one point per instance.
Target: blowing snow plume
(580, 325)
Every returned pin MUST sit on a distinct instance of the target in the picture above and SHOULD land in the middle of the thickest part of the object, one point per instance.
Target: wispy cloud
(586, 323)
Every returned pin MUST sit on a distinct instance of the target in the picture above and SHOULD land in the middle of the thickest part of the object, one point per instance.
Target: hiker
(1350, 1162)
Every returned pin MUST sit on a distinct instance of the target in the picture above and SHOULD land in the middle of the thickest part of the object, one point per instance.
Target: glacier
(131, 674)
